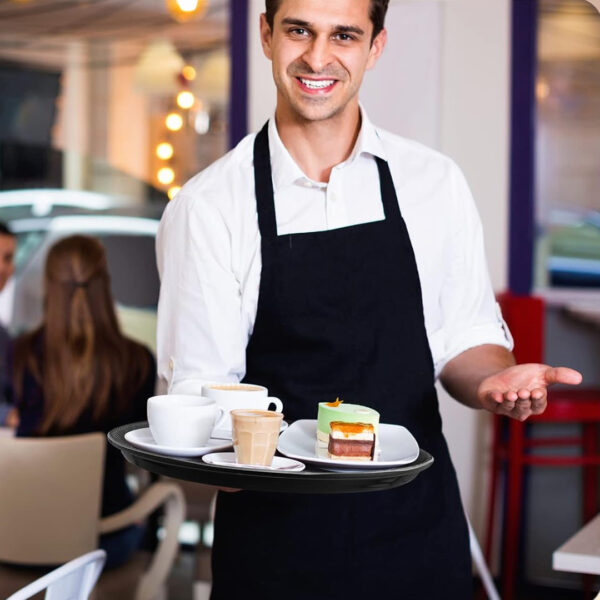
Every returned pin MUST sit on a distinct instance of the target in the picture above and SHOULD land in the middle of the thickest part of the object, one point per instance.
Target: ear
(266, 36)
(377, 48)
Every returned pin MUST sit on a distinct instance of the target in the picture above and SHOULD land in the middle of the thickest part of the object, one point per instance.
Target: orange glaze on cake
(351, 428)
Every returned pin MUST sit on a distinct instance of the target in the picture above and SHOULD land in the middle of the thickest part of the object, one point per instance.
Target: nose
(317, 55)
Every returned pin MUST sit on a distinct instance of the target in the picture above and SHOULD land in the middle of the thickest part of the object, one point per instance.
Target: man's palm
(521, 391)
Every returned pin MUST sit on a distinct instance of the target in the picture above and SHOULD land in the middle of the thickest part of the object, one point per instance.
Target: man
(8, 243)
(323, 258)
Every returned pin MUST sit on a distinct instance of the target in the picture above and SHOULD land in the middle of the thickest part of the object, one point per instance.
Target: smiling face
(320, 51)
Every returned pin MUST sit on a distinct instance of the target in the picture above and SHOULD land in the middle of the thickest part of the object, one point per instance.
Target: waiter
(324, 257)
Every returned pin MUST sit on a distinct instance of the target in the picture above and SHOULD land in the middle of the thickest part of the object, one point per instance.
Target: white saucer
(225, 434)
(398, 447)
(142, 438)
(227, 459)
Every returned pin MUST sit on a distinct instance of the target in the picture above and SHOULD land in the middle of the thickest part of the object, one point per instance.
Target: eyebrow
(339, 28)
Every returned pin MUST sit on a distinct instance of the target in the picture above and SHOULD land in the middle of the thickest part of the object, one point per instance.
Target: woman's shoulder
(141, 350)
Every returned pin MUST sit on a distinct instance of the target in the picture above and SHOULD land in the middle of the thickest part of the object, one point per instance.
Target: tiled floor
(189, 579)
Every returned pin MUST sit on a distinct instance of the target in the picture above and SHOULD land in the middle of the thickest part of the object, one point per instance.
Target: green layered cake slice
(345, 413)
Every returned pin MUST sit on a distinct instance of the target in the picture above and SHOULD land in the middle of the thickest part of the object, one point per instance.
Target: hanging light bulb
(185, 99)
(186, 10)
(174, 121)
(189, 73)
(157, 68)
(172, 191)
(166, 175)
(164, 151)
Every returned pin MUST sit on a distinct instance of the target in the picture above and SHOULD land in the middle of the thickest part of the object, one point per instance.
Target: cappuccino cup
(231, 396)
(181, 421)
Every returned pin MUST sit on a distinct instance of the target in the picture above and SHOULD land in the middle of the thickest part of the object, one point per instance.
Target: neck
(318, 146)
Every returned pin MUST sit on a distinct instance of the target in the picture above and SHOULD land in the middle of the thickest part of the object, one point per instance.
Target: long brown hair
(84, 361)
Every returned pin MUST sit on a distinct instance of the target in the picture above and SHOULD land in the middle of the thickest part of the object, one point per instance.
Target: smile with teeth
(319, 84)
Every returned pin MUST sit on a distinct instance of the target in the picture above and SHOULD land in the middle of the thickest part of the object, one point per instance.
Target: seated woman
(77, 373)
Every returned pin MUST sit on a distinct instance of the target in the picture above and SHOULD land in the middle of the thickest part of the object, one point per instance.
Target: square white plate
(398, 447)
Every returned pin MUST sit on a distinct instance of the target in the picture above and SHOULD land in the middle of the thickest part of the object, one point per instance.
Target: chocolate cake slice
(351, 441)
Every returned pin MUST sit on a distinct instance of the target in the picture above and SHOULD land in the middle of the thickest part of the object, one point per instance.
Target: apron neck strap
(263, 185)
(265, 199)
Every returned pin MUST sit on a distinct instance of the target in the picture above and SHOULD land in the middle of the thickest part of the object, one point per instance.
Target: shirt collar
(284, 169)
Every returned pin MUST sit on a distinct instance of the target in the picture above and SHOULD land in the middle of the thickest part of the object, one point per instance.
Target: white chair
(50, 505)
(73, 581)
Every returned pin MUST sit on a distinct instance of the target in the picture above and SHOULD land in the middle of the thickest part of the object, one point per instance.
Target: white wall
(475, 127)
(443, 80)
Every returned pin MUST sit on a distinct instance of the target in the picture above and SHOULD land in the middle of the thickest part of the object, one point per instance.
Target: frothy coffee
(236, 387)
(255, 412)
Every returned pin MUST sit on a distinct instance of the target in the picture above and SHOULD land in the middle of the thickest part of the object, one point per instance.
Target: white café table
(581, 553)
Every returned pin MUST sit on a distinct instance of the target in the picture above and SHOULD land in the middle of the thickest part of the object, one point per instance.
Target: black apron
(340, 313)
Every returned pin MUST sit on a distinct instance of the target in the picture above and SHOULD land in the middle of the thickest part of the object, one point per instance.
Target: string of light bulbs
(174, 122)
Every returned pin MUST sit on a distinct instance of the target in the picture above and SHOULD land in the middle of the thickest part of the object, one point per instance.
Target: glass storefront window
(106, 109)
(568, 145)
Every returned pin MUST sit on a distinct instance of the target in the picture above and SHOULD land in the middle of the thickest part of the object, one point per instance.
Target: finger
(538, 394)
(562, 375)
(496, 397)
(523, 405)
(522, 410)
(523, 394)
(511, 396)
(539, 401)
(506, 407)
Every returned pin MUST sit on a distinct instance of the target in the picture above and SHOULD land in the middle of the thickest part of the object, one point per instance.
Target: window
(567, 178)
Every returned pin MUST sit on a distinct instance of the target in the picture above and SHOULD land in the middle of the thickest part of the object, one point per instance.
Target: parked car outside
(39, 218)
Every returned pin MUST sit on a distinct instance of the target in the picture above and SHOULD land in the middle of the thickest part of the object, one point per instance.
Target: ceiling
(569, 30)
(39, 32)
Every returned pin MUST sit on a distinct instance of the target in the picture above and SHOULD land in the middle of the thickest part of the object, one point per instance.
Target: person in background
(325, 257)
(8, 245)
(77, 373)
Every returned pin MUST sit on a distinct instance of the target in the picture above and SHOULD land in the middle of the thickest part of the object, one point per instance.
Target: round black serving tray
(310, 481)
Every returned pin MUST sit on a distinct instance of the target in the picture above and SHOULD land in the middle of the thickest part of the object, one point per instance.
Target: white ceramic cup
(229, 396)
(181, 421)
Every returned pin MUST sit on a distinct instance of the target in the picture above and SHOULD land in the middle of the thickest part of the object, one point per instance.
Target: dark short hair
(5, 229)
(376, 14)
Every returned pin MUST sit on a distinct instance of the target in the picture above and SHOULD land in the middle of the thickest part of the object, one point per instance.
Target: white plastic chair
(477, 556)
(73, 581)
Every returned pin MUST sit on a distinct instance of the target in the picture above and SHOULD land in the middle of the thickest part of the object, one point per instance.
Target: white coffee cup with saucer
(230, 396)
(182, 421)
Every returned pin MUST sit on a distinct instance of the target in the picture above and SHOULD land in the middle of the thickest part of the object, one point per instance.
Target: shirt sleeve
(471, 315)
(200, 333)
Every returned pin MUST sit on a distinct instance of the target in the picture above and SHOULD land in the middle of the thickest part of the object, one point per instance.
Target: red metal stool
(524, 316)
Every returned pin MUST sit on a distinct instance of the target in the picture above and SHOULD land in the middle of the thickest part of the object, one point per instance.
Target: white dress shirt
(209, 253)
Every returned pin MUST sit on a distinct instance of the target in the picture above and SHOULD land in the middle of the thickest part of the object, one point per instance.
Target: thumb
(562, 375)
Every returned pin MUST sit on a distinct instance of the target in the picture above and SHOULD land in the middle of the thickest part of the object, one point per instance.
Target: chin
(316, 112)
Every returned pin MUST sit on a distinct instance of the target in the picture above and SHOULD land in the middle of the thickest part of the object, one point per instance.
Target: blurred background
(108, 106)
